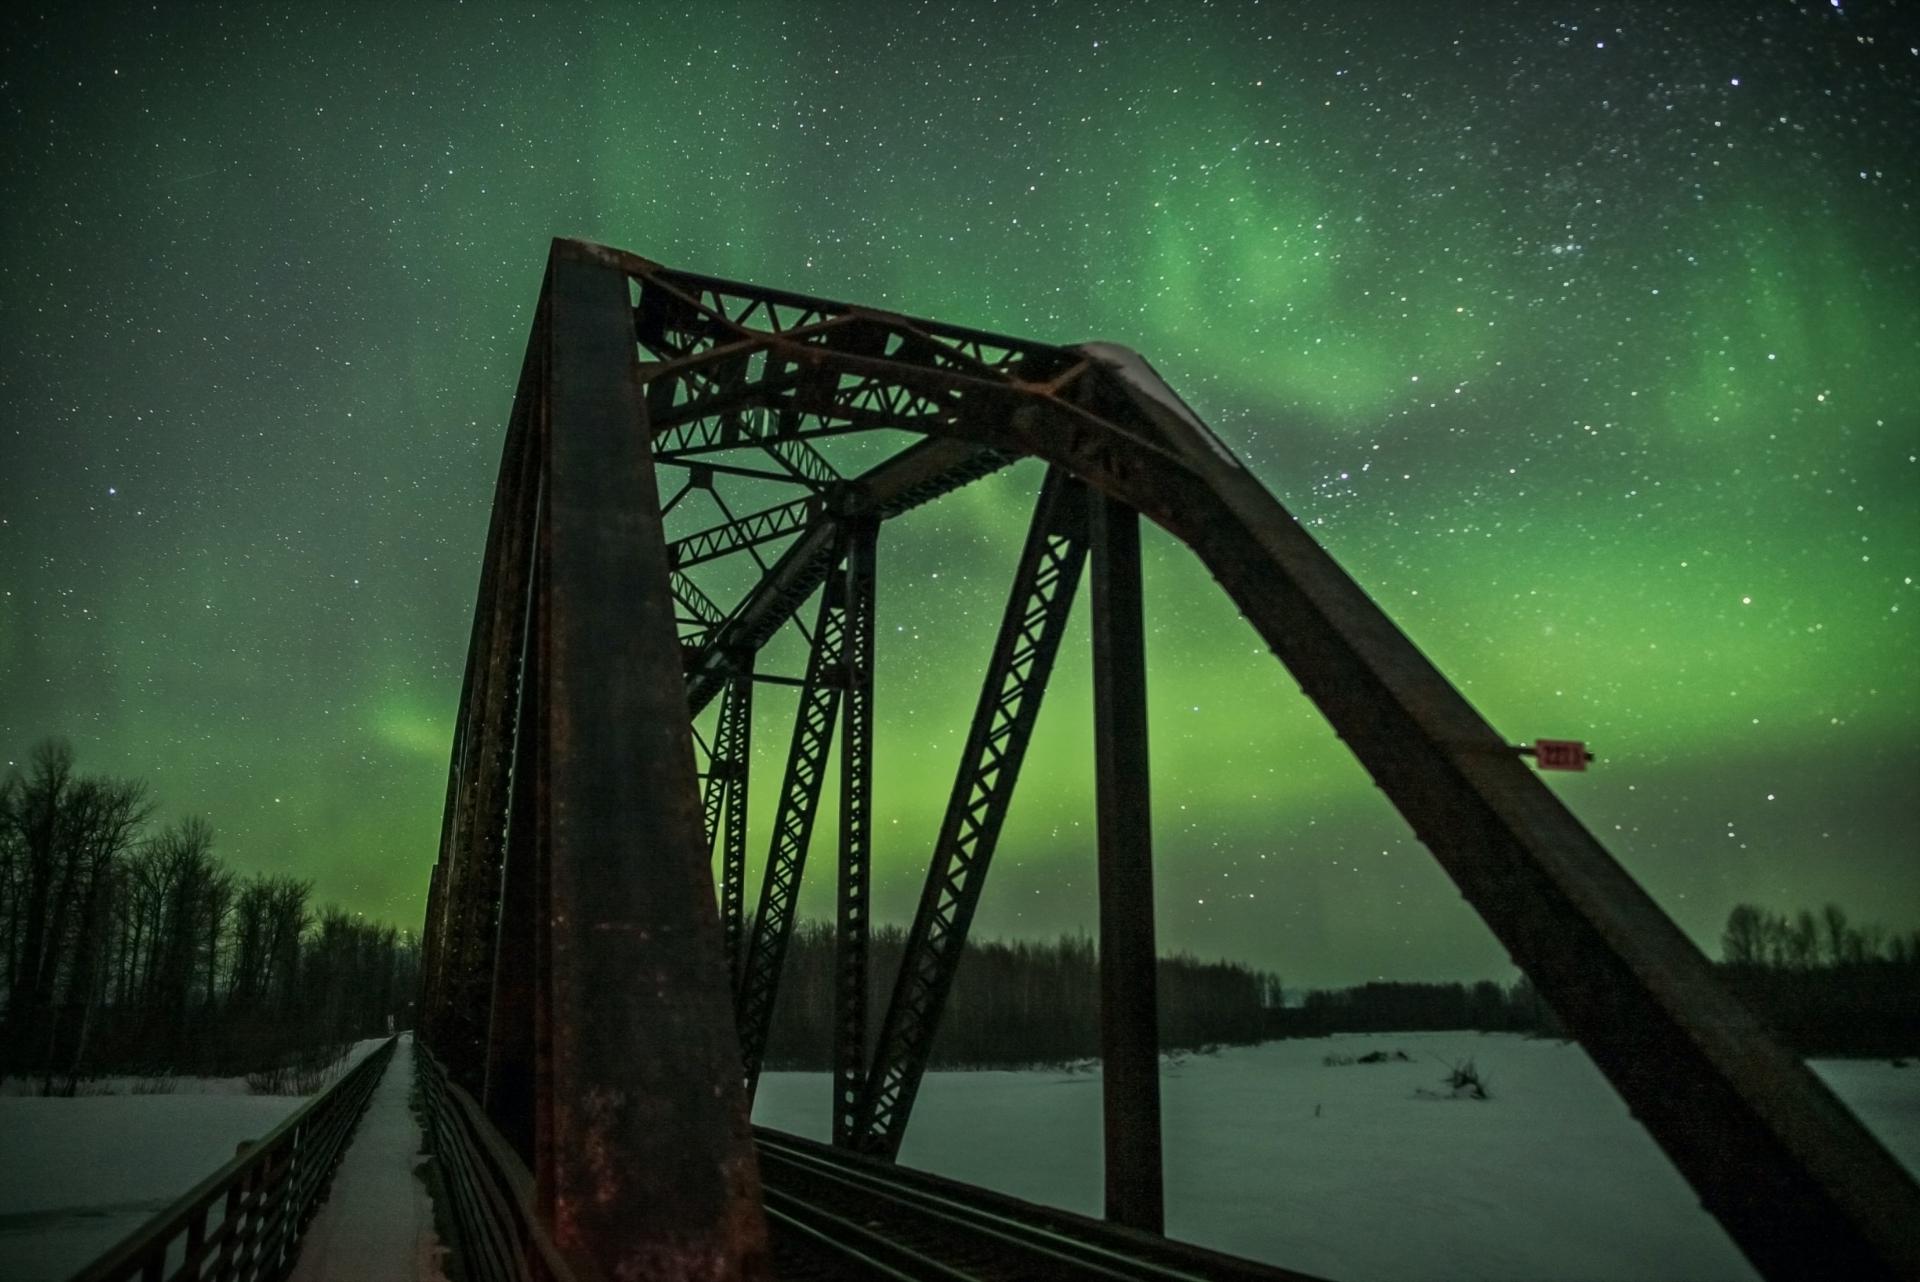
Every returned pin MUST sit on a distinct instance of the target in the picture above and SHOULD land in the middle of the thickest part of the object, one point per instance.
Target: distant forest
(128, 947)
(1824, 985)
(1014, 1005)
(1407, 1006)
(1827, 986)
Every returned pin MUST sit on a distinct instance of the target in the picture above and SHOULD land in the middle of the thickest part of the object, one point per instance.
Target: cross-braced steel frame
(580, 981)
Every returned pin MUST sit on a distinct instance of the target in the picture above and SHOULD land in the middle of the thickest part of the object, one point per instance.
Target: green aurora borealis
(1584, 335)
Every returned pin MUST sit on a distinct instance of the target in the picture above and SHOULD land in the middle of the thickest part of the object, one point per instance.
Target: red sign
(1560, 754)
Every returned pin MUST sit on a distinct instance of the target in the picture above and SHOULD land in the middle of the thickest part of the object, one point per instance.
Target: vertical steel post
(645, 1166)
(733, 854)
(856, 835)
(1129, 1021)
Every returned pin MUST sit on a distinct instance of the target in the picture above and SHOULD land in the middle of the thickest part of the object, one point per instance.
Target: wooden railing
(245, 1221)
(488, 1188)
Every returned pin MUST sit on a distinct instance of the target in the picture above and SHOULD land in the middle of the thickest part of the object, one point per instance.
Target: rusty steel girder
(608, 1059)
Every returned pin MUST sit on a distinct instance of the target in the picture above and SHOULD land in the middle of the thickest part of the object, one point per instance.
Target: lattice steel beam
(1023, 655)
(685, 442)
(813, 724)
(713, 791)
(918, 474)
(696, 304)
(856, 833)
(696, 602)
(806, 463)
(727, 788)
(746, 532)
(673, 412)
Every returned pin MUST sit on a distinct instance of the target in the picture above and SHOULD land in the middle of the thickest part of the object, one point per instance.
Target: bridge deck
(377, 1223)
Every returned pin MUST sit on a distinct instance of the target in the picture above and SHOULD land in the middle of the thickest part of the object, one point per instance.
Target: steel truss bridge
(597, 1020)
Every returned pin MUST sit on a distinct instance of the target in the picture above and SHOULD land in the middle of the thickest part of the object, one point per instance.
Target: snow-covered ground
(376, 1224)
(1350, 1171)
(1354, 1171)
(77, 1175)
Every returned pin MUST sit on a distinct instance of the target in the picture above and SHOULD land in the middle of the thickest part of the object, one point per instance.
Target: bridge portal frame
(634, 365)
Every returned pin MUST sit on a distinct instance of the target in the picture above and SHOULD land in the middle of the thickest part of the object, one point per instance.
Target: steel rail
(911, 1212)
(854, 1249)
(1060, 1256)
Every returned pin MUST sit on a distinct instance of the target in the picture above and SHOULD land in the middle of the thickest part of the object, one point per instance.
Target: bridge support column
(1129, 1020)
(643, 1159)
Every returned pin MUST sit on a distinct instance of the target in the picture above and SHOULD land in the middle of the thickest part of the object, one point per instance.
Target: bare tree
(33, 816)
(63, 838)
(1744, 941)
(106, 818)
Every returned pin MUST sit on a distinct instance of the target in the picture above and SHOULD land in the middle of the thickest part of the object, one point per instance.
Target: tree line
(1398, 1006)
(1823, 984)
(1826, 985)
(1013, 1004)
(129, 947)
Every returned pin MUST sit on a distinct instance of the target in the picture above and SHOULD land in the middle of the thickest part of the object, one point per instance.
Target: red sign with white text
(1560, 754)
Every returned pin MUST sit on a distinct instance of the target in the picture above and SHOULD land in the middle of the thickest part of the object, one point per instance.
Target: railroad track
(836, 1215)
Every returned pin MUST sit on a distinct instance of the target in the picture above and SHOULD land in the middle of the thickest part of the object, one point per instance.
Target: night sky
(1585, 336)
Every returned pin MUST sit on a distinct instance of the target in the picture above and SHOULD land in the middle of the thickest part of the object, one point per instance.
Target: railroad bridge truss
(598, 1015)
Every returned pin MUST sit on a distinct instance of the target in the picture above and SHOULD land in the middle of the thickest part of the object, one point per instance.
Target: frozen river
(1356, 1171)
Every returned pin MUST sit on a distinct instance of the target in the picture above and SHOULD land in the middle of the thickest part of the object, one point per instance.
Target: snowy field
(1353, 1171)
(1350, 1171)
(77, 1175)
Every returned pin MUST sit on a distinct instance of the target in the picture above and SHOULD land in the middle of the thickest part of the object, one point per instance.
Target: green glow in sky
(1585, 339)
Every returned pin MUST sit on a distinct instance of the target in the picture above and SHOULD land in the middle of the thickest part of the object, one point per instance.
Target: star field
(1583, 335)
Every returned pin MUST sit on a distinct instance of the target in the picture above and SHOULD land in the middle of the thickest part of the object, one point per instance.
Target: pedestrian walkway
(377, 1223)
